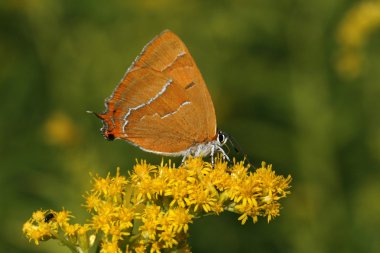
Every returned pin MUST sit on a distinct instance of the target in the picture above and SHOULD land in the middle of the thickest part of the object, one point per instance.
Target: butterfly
(162, 104)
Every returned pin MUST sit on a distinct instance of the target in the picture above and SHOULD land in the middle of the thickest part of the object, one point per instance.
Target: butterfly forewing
(162, 104)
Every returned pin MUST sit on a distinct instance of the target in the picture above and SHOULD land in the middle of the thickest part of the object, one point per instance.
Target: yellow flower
(39, 215)
(125, 216)
(63, 217)
(117, 185)
(179, 219)
(101, 185)
(92, 201)
(143, 179)
(99, 221)
(70, 230)
(36, 229)
(155, 248)
(244, 190)
(219, 177)
(116, 231)
(272, 210)
(36, 235)
(248, 209)
(200, 197)
(82, 230)
(152, 209)
(140, 248)
(142, 170)
(177, 190)
(168, 238)
(110, 247)
(197, 164)
(150, 221)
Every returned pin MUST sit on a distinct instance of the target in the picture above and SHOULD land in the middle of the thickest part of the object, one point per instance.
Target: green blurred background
(295, 82)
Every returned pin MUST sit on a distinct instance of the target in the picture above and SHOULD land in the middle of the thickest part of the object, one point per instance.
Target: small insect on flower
(49, 217)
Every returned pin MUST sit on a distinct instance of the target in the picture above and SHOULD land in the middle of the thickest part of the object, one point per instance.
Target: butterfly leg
(183, 160)
(225, 156)
(212, 155)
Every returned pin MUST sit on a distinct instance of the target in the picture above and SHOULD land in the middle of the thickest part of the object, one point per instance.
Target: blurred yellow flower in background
(59, 129)
(353, 32)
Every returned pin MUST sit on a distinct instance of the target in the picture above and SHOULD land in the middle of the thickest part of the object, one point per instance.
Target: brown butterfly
(162, 104)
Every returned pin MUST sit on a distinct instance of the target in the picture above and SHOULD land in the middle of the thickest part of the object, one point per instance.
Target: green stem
(67, 243)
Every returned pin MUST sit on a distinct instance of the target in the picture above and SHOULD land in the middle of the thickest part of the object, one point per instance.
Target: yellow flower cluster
(354, 30)
(151, 209)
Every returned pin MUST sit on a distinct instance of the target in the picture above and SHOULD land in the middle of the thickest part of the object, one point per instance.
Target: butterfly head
(221, 138)
(107, 132)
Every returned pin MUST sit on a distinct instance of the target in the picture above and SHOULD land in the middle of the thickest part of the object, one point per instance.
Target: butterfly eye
(222, 138)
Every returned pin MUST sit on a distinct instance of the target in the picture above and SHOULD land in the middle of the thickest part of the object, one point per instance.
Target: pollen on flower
(152, 208)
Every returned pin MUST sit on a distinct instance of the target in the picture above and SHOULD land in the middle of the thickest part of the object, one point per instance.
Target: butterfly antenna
(96, 114)
(239, 150)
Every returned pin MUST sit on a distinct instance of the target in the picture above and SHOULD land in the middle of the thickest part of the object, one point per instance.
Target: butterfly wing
(162, 104)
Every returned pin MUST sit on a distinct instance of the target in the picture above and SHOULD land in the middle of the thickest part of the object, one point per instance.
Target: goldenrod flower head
(110, 247)
(151, 209)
